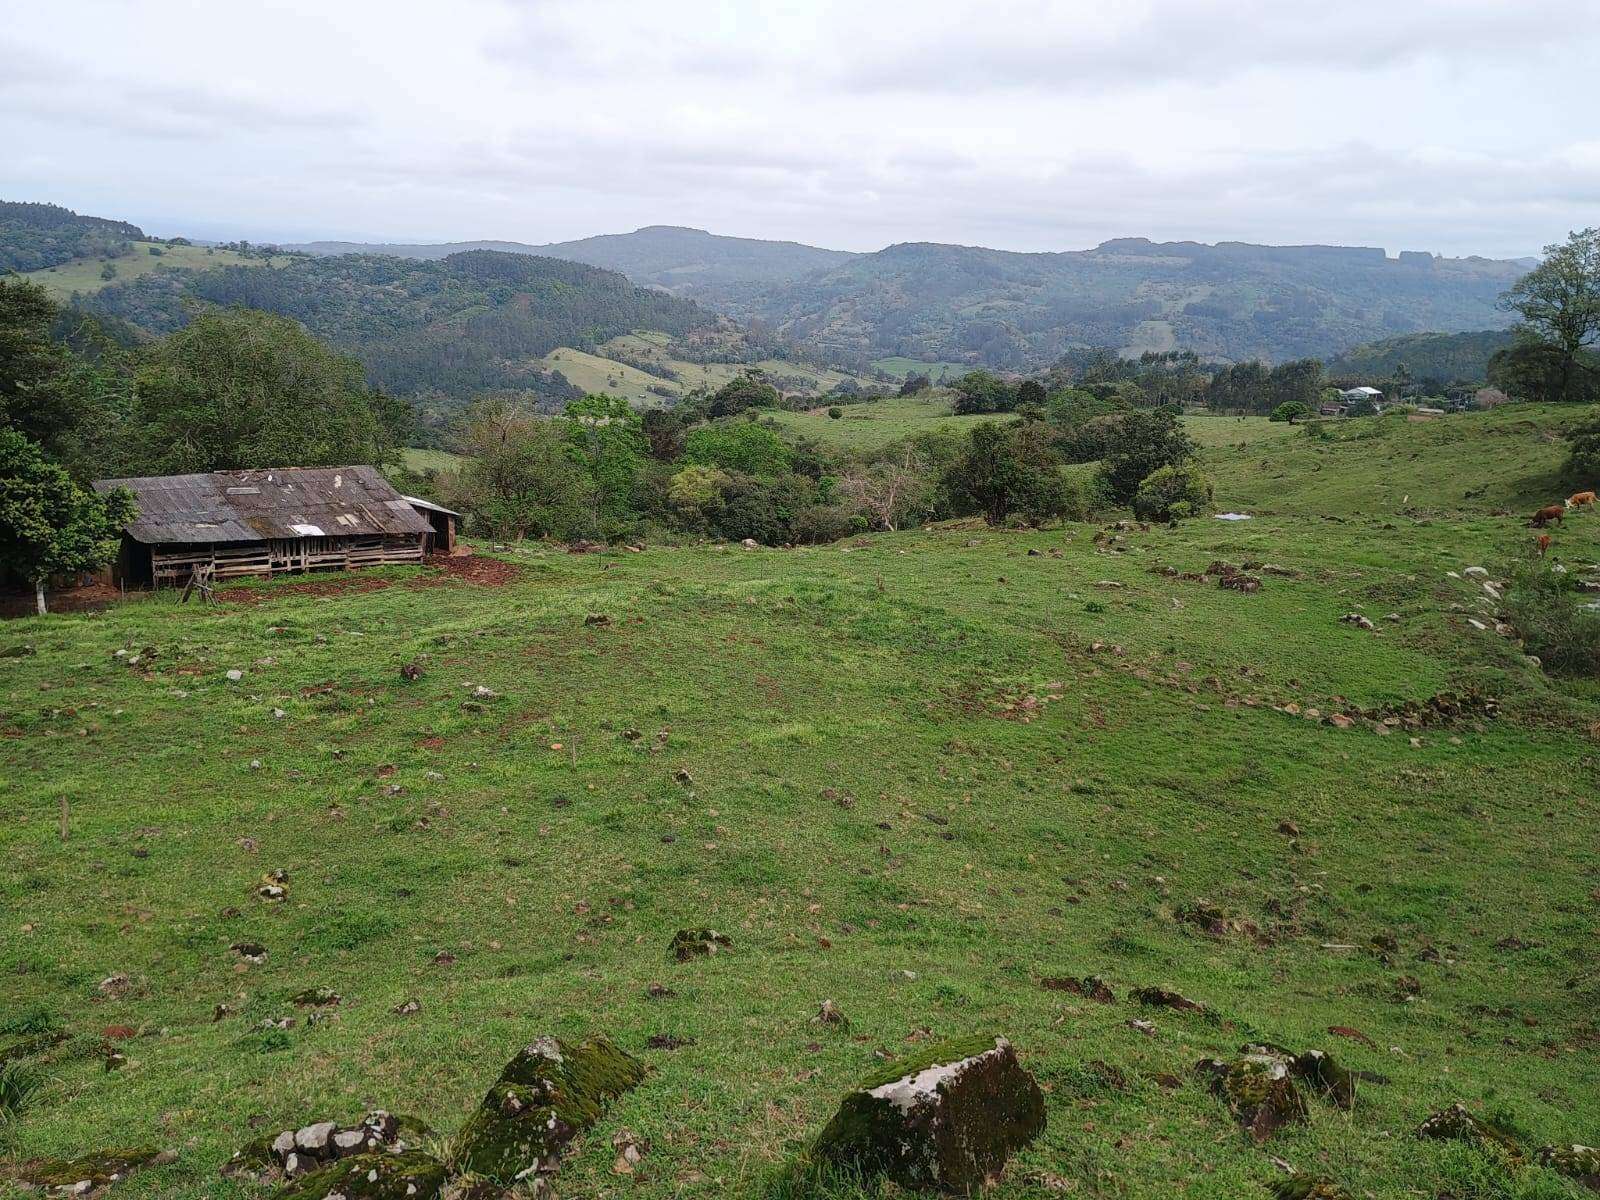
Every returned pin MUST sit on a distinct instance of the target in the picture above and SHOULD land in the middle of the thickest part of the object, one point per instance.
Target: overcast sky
(1459, 126)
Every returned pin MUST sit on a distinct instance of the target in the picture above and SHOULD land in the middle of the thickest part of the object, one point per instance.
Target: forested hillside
(691, 262)
(1230, 301)
(964, 304)
(475, 321)
(35, 236)
(1447, 357)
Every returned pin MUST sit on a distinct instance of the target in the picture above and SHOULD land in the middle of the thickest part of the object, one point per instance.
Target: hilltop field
(85, 276)
(915, 774)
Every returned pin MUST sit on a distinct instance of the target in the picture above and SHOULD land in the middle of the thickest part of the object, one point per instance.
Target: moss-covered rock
(1326, 1078)
(316, 997)
(1576, 1162)
(948, 1119)
(408, 1176)
(1257, 1088)
(93, 1171)
(315, 1145)
(1457, 1123)
(697, 943)
(1308, 1187)
(549, 1093)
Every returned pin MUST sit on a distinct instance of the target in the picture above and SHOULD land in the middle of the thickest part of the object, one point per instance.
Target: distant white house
(1357, 394)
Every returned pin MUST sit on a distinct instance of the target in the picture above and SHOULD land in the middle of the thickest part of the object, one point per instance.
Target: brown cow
(1551, 512)
(1579, 500)
(1544, 542)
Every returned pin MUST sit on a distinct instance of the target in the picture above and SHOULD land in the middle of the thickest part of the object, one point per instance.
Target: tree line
(714, 468)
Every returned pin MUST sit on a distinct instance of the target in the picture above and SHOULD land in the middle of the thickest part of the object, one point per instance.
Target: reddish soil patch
(431, 743)
(486, 572)
(79, 599)
(340, 586)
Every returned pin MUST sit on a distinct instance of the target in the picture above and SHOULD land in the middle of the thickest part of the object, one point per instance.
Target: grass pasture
(923, 771)
(875, 423)
(415, 458)
(83, 275)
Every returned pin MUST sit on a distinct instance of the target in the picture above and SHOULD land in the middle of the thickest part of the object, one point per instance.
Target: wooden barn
(230, 523)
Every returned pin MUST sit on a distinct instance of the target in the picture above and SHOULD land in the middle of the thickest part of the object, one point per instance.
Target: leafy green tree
(49, 525)
(1291, 411)
(74, 400)
(983, 392)
(523, 477)
(1008, 471)
(1583, 456)
(745, 447)
(241, 389)
(1559, 302)
(30, 359)
(664, 430)
(1533, 370)
(609, 437)
(749, 390)
(915, 385)
(1172, 493)
(1145, 441)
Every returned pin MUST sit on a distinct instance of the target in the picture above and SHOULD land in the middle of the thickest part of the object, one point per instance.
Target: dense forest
(1440, 357)
(35, 236)
(1230, 301)
(476, 321)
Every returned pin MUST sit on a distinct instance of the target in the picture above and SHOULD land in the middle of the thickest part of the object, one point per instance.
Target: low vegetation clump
(1173, 493)
(1556, 621)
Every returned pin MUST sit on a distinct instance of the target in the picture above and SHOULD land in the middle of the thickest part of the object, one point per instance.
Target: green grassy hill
(86, 276)
(914, 774)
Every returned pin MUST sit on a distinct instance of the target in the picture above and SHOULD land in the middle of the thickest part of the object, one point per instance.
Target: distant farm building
(1356, 395)
(231, 523)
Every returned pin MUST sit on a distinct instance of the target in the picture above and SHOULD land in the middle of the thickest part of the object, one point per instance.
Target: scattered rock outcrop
(90, 1174)
(698, 943)
(1090, 987)
(318, 1144)
(1457, 1123)
(948, 1120)
(1575, 1162)
(547, 1095)
(1257, 1088)
(1308, 1187)
(410, 1175)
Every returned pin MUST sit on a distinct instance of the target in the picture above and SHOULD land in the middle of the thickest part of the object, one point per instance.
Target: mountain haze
(969, 304)
(671, 257)
(1229, 301)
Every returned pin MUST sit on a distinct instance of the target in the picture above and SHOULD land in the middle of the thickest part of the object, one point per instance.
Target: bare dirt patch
(470, 568)
(91, 598)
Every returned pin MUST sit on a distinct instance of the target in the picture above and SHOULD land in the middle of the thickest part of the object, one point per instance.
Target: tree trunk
(38, 595)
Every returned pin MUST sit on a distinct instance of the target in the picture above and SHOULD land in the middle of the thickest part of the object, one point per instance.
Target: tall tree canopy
(1559, 302)
(49, 525)
(239, 389)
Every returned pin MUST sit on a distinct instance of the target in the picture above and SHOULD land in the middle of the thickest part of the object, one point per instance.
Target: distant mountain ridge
(1022, 310)
(938, 303)
(1231, 301)
(671, 257)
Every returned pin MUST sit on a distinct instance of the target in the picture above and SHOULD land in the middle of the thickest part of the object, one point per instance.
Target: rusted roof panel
(253, 506)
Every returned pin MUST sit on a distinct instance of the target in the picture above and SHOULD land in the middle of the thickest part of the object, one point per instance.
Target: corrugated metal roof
(252, 506)
(419, 502)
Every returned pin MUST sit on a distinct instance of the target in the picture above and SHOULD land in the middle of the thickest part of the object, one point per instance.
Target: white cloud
(1454, 126)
